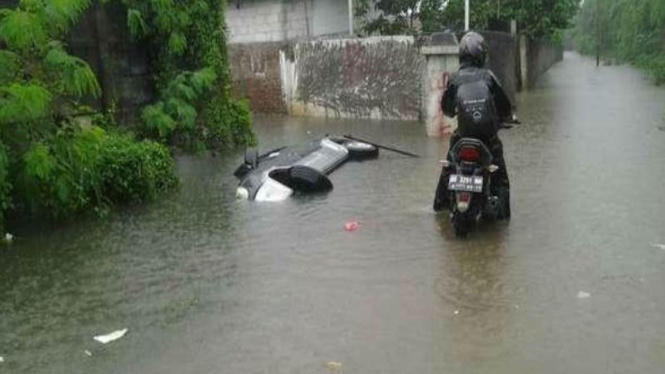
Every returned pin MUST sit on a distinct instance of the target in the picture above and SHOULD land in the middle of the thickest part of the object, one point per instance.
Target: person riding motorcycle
(476, 97)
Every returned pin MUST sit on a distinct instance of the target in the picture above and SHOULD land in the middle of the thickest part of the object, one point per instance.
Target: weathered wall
(503, 60)
(376, 77)
(256, 75)
(280, 20)
(122, 67)
(441, 59)
(541, 55)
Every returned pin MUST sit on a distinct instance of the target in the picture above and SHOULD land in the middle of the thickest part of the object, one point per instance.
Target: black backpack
(476, 114)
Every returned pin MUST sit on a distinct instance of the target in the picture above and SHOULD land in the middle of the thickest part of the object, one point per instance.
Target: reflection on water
(207, 284)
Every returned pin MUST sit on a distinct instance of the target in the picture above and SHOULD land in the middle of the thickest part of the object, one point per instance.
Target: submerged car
(278, 174)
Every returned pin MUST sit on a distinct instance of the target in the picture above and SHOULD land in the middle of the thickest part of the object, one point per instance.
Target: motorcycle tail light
(469, 154)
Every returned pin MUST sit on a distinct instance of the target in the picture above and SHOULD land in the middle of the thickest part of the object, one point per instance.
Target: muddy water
(206, 284)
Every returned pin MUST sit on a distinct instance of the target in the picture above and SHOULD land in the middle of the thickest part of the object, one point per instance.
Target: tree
(50, 162)
(188, 41)
(625, 30)
(396, 16)
(536, 18)
(540, 18)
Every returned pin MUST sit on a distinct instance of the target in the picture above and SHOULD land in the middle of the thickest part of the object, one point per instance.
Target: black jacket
(502, 104)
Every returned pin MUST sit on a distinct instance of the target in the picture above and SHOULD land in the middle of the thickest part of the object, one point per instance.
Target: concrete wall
(122, 66)
(540, 55)
(441, 54)
(268, 20)
(251, 21)
(503, 60)
(376, 77)
(330, 17)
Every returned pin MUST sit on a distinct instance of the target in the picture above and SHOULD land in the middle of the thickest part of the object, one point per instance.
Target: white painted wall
(280, 20)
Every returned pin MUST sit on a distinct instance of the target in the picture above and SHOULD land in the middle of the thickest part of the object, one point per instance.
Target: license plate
(469, 183)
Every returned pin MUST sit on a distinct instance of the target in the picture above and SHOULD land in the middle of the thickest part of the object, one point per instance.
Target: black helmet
(472, 49)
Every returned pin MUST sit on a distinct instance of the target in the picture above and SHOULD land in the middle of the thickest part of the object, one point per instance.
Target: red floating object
(351, 226)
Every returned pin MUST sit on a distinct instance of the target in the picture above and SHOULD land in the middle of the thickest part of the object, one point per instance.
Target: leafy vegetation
(51, 162)
(395, 17)
(188, 41)
(626, 30)
(536, 18)
(85, 168)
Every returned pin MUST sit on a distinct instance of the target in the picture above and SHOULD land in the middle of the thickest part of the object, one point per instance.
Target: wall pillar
(441, 55)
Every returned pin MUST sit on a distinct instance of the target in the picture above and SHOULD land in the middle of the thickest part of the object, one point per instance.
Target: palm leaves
(156, 120)
(24, 103)
(9, 66)
(35, 21)
(136, 23)
(22, 30)
(177, 107)
(61, 14)
(76, 77)
(36, 70)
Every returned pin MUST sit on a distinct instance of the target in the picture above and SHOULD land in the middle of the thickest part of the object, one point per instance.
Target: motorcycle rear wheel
(462, 223)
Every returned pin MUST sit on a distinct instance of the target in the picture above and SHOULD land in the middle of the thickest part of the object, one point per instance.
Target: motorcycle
(470, 191)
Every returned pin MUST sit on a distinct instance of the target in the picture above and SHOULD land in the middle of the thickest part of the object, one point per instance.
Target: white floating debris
(87, 353)
(659, 246)
(456, 312)
(9, 238)
(583, 295)
(2, 359)
(334, 365)
(110, 337)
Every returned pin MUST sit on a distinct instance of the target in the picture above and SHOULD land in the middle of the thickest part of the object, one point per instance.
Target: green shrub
(194, 106)
(135, 171)
(655, 66)
(229, 124)
(60, 176)
(626, 30)
(50, 163)
(86, 168)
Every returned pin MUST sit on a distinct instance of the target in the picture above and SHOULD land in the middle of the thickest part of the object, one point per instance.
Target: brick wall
(256, 75)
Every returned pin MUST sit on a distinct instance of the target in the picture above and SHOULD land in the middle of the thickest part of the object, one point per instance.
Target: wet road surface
(206, 284)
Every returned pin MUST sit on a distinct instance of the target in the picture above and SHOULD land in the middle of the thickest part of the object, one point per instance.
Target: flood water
(207, 284)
